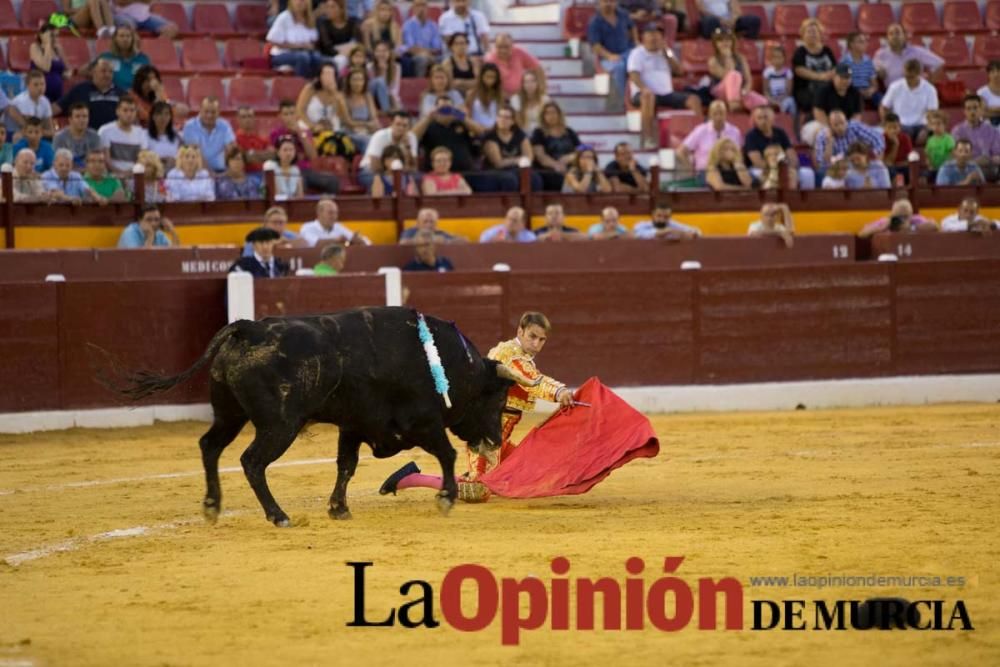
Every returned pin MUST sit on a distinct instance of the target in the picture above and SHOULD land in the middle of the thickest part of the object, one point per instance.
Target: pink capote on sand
(575, 449)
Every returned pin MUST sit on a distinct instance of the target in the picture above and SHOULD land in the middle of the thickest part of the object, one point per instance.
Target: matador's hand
(564, 397)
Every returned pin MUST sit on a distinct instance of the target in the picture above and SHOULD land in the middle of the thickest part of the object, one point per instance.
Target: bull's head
(480, 427)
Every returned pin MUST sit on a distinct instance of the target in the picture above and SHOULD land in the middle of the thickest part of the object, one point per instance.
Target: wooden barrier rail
(630, 327)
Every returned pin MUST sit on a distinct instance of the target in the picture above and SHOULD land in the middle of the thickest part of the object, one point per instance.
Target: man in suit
(262, 263)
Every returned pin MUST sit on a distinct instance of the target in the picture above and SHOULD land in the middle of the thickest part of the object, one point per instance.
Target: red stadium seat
(669, 22)
(919, 18)
(8, 17)
(3, 59)
(986, 48)
(836, 18)
(875, 19)
(36, 12)
(289, 87)
(249, 91)
(244, 54)
(251, 19)
(974, 79)
(200, 87)
(200, 55)
(342, 169)
(18, 52)
(674, 126)
(175, 13)
(741, 121)
(576, 20)
(788, 18)
(212, 19)
(433, 12)
(409, 93)
(76, 51)
(174, 88)
(693, 16)
(695, 55)
(953, 49)
(992, 18)
(834, 46)
(874, 44)
(786, 123)
(162, 53)
(961, 16)
(759, 12)
(749, 51)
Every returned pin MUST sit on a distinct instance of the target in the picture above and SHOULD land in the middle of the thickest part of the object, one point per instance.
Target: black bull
(364, 370)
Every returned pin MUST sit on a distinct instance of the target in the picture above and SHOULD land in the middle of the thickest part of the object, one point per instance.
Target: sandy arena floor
(105, 560)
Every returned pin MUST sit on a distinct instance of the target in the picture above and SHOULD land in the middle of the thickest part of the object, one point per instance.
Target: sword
(582, 404)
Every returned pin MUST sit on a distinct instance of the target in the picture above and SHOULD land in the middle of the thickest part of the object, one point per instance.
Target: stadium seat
(576, 20)
(249, 91)
(669, 22)
(961, 16)
(409, 93)
(212, 19)
(338, 165)
(974, 79)
(36, 12)
(786, 123)
(953, 49)
(289, 87)
(18, 53)
(8, 17)
(875, 19)
(788, 18)
(834, 46)
(986, 48)
(759, 12)
(919, 18)
(695, 55)
(162, 53)
(251, 19)
(741, 121)
(748, 49)
(199, 54)
(202, 86)
(3, 59)
(245, 54)
(76, 51)
(174, 88)
(836, 18)
(175, 13)
(992, 18)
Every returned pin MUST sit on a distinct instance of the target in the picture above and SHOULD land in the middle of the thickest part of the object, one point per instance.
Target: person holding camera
(151, 231)
(900, 219)
(968, 219)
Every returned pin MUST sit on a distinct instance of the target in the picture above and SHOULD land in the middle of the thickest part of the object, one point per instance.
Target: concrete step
(605, 141)
(597, 122)
(542, 48)
(580, 102)
(542, 31)
(562, 67)
(572, 85)
(536, 13)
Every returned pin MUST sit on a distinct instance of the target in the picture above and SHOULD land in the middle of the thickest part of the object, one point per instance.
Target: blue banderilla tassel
(433, 359)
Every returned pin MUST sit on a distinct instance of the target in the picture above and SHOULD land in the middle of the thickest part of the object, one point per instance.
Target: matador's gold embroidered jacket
(511, 354)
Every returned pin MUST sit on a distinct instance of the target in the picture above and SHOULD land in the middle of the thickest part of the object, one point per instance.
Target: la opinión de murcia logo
(667, 604)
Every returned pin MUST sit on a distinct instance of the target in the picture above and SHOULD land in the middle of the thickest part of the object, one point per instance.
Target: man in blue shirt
(213, 135)
(425, 258)
(421, 45)
(612, 35)
(962, 170)
(152, 230)
(66, 185)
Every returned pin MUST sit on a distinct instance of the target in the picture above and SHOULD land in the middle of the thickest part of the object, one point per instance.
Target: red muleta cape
(573, 450)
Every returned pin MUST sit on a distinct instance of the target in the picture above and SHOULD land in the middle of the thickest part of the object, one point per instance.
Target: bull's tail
(143, 383)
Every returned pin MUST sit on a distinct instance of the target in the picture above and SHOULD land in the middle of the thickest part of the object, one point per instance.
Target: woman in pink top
(442, 181)
(730, 73)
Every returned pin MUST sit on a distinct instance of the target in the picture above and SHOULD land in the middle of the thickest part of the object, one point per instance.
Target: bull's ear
(508, 373)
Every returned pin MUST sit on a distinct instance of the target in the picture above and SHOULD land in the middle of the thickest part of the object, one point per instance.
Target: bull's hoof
(390, 483)
(211, 511)
(280, 521)
(340, 514)
(444, 503)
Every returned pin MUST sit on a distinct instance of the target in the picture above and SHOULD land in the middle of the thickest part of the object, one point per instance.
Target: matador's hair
(534, 318)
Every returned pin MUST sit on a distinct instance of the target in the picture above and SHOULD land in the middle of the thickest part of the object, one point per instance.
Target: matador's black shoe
(389, 485)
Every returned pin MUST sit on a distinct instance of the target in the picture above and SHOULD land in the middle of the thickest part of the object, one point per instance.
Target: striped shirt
(862, 72)
(855, 132)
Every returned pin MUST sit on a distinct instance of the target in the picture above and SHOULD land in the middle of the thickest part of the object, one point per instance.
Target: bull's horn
(509, 373)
